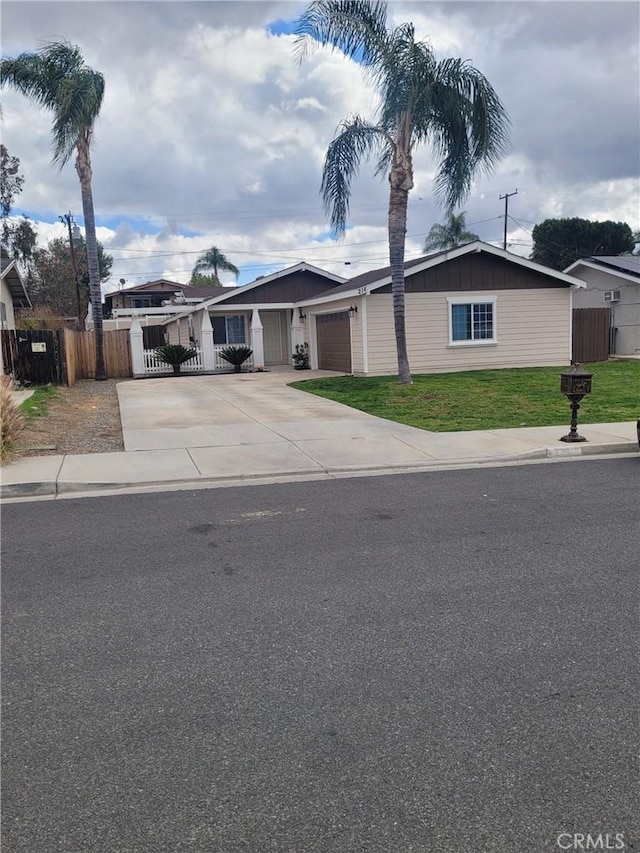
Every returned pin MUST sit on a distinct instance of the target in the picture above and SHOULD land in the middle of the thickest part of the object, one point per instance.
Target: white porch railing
(221, 364)
(152, 363)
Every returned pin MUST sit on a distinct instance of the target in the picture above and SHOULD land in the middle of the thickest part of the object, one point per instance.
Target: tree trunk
(83, 168)
(401, 181)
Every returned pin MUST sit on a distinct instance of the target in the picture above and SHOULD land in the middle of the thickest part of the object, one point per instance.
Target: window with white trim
(472, 322)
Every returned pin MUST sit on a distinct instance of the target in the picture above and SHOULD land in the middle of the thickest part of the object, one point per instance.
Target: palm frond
(215, 260)
(471, 128)
(449, 235)
(404, 75)
(357, 28)
(356, 141)
(26, 74)
(57, 78)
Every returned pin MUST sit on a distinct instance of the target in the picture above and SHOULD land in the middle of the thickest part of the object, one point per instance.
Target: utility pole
(506, 197)
(67, 220)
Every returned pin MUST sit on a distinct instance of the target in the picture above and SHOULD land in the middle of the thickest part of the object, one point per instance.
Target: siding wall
(7, 298)
(533, 329)
(625, 315)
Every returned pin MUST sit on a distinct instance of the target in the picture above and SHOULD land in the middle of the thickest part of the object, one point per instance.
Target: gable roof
(302, 266)
(10, 274)
(167, 287)
(624, 266)
(148, 285)
(374, 279)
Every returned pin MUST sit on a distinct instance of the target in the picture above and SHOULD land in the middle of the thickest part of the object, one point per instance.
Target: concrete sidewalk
(220, 430)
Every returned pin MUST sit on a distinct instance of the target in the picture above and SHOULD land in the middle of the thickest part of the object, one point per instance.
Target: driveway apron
(254, 423)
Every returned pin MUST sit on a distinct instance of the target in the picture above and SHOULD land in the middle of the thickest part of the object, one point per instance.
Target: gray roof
(625, 263)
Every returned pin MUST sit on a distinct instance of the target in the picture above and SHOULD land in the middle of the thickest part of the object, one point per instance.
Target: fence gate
(34, 356)
(591, 334)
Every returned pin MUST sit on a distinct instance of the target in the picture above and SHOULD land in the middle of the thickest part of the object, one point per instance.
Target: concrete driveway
(252, 423)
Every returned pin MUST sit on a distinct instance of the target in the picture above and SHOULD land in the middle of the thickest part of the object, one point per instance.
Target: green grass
(38, 403)
(488, 399)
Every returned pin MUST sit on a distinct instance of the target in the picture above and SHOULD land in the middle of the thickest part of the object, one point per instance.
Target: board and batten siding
(533, 330)
(357, 351)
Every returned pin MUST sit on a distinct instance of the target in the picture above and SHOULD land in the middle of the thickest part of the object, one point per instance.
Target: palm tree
(448, 104)
(213, 259)
(56, 77)
(450, 235)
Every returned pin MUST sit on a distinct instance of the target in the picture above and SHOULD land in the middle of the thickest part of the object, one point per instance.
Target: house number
(362, 291)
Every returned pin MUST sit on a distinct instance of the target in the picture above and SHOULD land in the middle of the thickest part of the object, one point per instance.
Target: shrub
(236, 356)
(42, 317)
(301, 356)
(175, 355)
(11, 425)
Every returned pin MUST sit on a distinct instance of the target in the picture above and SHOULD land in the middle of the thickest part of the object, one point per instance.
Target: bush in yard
(11, 424)
(175, 355)
(236, 356)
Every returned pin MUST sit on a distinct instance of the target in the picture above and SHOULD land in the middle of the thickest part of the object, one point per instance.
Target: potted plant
(175, 355)
(301, 357)
(236, 356)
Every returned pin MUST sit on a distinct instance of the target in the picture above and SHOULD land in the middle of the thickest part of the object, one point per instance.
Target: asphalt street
(436, 663)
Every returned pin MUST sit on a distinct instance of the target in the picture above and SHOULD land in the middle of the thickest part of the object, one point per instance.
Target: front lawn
(488, 399)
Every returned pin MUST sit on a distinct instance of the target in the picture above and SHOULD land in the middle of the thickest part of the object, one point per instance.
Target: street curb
(56, 488)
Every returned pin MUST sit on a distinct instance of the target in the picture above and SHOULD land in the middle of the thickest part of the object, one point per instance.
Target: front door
(274, 336)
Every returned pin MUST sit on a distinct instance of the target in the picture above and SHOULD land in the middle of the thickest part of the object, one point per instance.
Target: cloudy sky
(211, 134)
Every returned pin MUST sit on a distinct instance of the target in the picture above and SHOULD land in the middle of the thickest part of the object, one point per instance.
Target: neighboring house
(13, 294)
(471, 307)
(612, 281)
(152, 302)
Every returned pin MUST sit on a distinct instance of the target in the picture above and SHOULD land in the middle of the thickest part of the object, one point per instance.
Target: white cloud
(211, 134)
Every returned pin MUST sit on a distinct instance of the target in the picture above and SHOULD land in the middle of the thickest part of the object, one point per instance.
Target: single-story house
(612, 281)
(261, 314)
(472, 307)
(13, 294)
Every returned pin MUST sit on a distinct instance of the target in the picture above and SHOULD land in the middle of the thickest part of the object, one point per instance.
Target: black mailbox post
(575, 384)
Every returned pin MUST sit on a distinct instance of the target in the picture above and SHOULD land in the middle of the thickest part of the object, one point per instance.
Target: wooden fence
(80, 355)
(591, 334)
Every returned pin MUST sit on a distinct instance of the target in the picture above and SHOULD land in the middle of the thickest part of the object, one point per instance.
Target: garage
(333, 335)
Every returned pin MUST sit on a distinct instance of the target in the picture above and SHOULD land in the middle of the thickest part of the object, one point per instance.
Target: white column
(206, 342)
(137, 348)
(257, 342)
(297, 330)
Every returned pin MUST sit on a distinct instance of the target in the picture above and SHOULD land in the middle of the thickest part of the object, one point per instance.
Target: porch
(271, 335)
